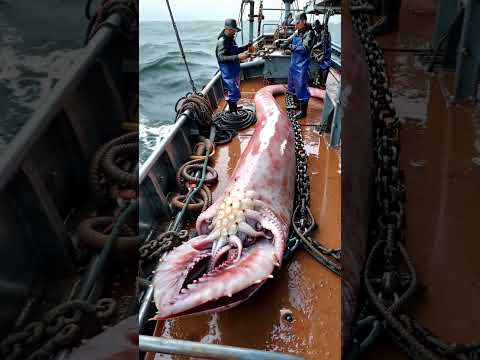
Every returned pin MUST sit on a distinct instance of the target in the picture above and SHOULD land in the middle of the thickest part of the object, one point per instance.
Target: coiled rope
(128, 9)
(104, 164)
(200, 108)
(198, 186)
(228, 124)
(187, 178)
(92, 232)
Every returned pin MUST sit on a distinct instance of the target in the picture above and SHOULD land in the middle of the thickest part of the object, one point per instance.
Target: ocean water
(38, 43)
(163, 78)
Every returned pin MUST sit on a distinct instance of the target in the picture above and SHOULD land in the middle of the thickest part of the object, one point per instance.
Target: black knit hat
(232, 24)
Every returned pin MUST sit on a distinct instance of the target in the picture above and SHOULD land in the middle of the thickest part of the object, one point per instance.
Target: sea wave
(150, 136)
(172, 61)
(27, 79)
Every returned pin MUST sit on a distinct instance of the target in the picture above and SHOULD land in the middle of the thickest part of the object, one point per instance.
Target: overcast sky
(186, 10)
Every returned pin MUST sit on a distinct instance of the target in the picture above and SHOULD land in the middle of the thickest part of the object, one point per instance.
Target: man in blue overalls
(229, 56)
(300, 43)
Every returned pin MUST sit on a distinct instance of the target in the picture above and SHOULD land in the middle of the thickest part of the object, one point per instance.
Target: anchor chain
(165, 242)
(303, 222)
(62, 327)
(389, 276)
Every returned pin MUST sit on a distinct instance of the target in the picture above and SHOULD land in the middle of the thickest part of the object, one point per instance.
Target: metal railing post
(207, 351)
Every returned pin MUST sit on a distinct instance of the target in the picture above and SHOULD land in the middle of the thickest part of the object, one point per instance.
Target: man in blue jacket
(300, 43)
(229, 56)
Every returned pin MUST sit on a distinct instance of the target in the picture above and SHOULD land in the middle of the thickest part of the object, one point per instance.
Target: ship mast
(287, 9)
(251, 16)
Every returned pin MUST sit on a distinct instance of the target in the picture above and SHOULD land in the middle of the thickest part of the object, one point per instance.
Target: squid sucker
(242, 236)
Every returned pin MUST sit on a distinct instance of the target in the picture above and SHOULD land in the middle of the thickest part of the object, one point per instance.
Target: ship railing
(207, 351)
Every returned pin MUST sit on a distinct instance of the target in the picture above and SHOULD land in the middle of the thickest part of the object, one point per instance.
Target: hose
(111, 168)
(89, 232)
(228, 124)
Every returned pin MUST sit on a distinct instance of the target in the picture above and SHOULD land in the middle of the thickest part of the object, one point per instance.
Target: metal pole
(468, 54)
(251, 16)
(207, 351)
(287, 9)
(260, 15)
(181, 47)
(278, 9)
(144, 307)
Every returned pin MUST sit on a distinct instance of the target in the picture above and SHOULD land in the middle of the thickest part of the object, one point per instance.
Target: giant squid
(242, 235)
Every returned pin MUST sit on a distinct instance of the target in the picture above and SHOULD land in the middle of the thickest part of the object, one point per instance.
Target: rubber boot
(323, 78)
(294, 106)
(232, 107)
(390, 21)
(303, 105)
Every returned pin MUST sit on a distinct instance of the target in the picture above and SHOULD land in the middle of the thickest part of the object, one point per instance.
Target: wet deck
(441, 158)
(303, 286)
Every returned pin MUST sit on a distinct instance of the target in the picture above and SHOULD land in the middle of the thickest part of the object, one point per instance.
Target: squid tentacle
(214, 258)
(236, 242)
(250, 231)
(253, 214)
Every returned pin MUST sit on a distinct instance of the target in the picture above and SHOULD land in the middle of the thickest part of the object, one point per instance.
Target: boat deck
(440, 155)
(303, 286)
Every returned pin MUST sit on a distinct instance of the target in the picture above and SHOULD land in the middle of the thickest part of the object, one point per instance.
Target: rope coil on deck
(186, 173)
(187, 178)
(108, 164)
(127, 9)
(228, 124)
(94, 231)
(117, 173)
(199, 107)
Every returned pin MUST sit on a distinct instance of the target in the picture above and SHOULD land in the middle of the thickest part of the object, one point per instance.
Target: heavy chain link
(388, 287)
(303, 222)
(60, 328)
(166, 241)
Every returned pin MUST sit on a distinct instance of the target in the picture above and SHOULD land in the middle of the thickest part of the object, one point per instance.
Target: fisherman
(323, 52)
(288, 24)
(300, 43)
(229, 56)
(288, 21)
